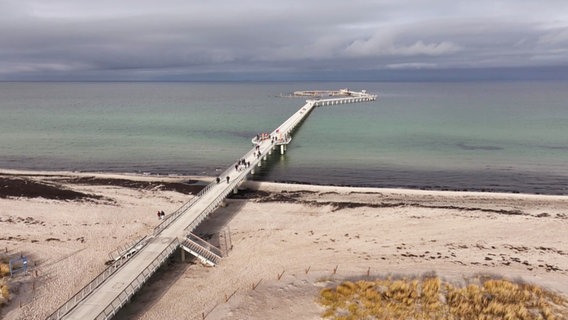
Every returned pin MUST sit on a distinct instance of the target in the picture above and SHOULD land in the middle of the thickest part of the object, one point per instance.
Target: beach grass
(432, 298)
(4, 291)
(4, 287)
(4, 269)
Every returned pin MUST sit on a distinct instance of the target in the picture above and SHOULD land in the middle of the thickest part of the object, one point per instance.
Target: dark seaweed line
(342, 205)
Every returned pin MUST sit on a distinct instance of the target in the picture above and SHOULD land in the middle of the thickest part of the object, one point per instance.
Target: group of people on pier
(279, 138)
(227, 177)
(242, 164)
(262, 136)
(257, 153)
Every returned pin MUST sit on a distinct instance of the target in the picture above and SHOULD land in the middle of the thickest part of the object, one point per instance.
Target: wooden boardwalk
(107, 293)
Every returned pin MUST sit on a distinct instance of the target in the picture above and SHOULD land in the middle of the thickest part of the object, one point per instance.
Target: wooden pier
(135, 264)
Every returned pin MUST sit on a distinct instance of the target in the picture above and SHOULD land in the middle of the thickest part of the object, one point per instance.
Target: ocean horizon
(476, 136)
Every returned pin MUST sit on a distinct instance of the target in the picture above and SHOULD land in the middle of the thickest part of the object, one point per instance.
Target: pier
(135, 263)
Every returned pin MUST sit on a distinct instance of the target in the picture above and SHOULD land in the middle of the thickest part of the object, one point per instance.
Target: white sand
(402, 232)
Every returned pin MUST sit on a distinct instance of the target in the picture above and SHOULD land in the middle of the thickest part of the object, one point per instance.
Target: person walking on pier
(218, 179)
(228, 178)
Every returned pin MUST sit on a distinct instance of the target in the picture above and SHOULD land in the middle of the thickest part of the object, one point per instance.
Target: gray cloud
(145, 40)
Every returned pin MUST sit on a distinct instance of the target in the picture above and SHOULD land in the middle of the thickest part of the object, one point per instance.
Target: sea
(475, 136)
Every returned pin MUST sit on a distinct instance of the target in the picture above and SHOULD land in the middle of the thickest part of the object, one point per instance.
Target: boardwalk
(107, 293)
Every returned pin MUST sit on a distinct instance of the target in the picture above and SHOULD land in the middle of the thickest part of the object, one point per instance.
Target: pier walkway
(134, 264)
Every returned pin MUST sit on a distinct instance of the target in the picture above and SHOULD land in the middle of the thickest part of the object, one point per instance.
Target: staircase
(204, 251)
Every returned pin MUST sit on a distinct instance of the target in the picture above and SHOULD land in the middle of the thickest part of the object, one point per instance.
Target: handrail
(296, 117)
(204, 244)
(173, 216)
(362, 97)
(142, 277)
(201, 251)
(86, 290)
(213, 205)
(123, 250)
(248, 154)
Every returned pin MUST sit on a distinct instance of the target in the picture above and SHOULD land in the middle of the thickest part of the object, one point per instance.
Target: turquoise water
(499, 136)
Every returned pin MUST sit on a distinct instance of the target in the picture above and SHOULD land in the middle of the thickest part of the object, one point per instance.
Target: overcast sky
(281, 40)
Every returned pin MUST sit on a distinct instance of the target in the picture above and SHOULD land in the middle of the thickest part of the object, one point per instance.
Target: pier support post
(182, 254)
(235, 191)
(252, 171)
(281, 149)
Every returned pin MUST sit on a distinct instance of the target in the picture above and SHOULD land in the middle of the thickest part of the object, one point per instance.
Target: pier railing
(133, 287)
(86, 290)
(235, 181)
(194, 238)
(357, 97)
(211, 207)
(287, 126)
(202, 249)
(174, 215)
(219, 199)
(127, 250)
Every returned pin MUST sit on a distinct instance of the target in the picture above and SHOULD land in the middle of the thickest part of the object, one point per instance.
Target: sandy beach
(288, 241)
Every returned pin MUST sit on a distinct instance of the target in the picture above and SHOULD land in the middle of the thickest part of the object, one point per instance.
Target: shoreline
(275, 228)
(199, 180)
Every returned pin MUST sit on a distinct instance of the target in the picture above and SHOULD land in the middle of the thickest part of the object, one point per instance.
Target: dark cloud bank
(268, 40)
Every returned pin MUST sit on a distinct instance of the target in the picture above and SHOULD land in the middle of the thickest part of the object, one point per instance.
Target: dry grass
(4, 291)
(4, 288)
(431, 298)
(4, 270)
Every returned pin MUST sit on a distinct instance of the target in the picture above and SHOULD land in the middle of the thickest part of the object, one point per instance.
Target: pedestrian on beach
(159, 215)
(162, 214)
